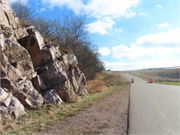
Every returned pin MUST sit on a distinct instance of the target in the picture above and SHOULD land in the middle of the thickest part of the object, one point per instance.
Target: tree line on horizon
(69, 34)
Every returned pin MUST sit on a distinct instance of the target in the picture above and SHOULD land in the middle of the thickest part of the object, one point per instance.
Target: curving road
(154, 108)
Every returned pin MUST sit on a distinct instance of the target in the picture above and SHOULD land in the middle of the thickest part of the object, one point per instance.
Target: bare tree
(23, 11)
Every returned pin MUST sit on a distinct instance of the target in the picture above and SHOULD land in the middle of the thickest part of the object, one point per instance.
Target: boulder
(16, 109)
(23, 98)
(34, 43)
(82, 84)
(34, 33)
(11, 72)
(69, 59)
(10, 105)
(32, 93)
(51, 97)
(18, 57)
(53, 74)
(54, 52)
(27, 94)
(78, 81)
(66, 91)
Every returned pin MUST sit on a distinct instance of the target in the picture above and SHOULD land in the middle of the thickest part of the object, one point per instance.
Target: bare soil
(107, 115)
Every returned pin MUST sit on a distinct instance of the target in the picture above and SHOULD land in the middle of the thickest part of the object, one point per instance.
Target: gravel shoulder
(107, 115)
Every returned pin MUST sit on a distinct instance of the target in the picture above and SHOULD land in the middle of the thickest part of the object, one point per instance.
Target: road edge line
(127, 132)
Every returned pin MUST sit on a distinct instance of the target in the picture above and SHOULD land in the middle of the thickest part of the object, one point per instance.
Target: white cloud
(153, 45)
(143, 64)
(141, 14)
(115, 8)
(171, 36)
(163, 25)
(75, 5)
(115, 32)
(101, 10)
(129, 52)
(41, 10)
(104, 51)
(118, 30)
(159, 6)
(118, 65)
(101, 26)
(158, 62)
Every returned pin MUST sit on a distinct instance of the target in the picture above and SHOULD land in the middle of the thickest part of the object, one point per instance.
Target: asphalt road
(154, 108)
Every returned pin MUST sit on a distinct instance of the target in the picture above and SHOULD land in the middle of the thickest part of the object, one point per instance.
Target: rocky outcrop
(34, 72)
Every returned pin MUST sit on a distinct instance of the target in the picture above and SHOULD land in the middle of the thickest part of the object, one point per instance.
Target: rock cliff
(33, 72)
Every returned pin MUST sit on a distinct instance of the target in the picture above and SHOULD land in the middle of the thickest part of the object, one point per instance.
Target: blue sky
(130, 34)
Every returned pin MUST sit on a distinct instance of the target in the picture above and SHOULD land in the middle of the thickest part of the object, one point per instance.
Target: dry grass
(112, 79)
(63, 52)
(22, 23)
(55, 44)
(96, 85)
(73, 65)
(105, 80)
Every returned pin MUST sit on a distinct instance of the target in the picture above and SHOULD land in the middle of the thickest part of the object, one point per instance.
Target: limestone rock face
(33, 72)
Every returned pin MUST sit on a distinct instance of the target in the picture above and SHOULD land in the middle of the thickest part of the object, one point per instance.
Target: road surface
(154, 108)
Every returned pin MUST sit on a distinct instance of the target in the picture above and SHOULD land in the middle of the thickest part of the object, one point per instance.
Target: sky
(130, 34)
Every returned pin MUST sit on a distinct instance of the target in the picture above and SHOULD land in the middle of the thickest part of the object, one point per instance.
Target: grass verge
(169, 83)
(50, 113)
